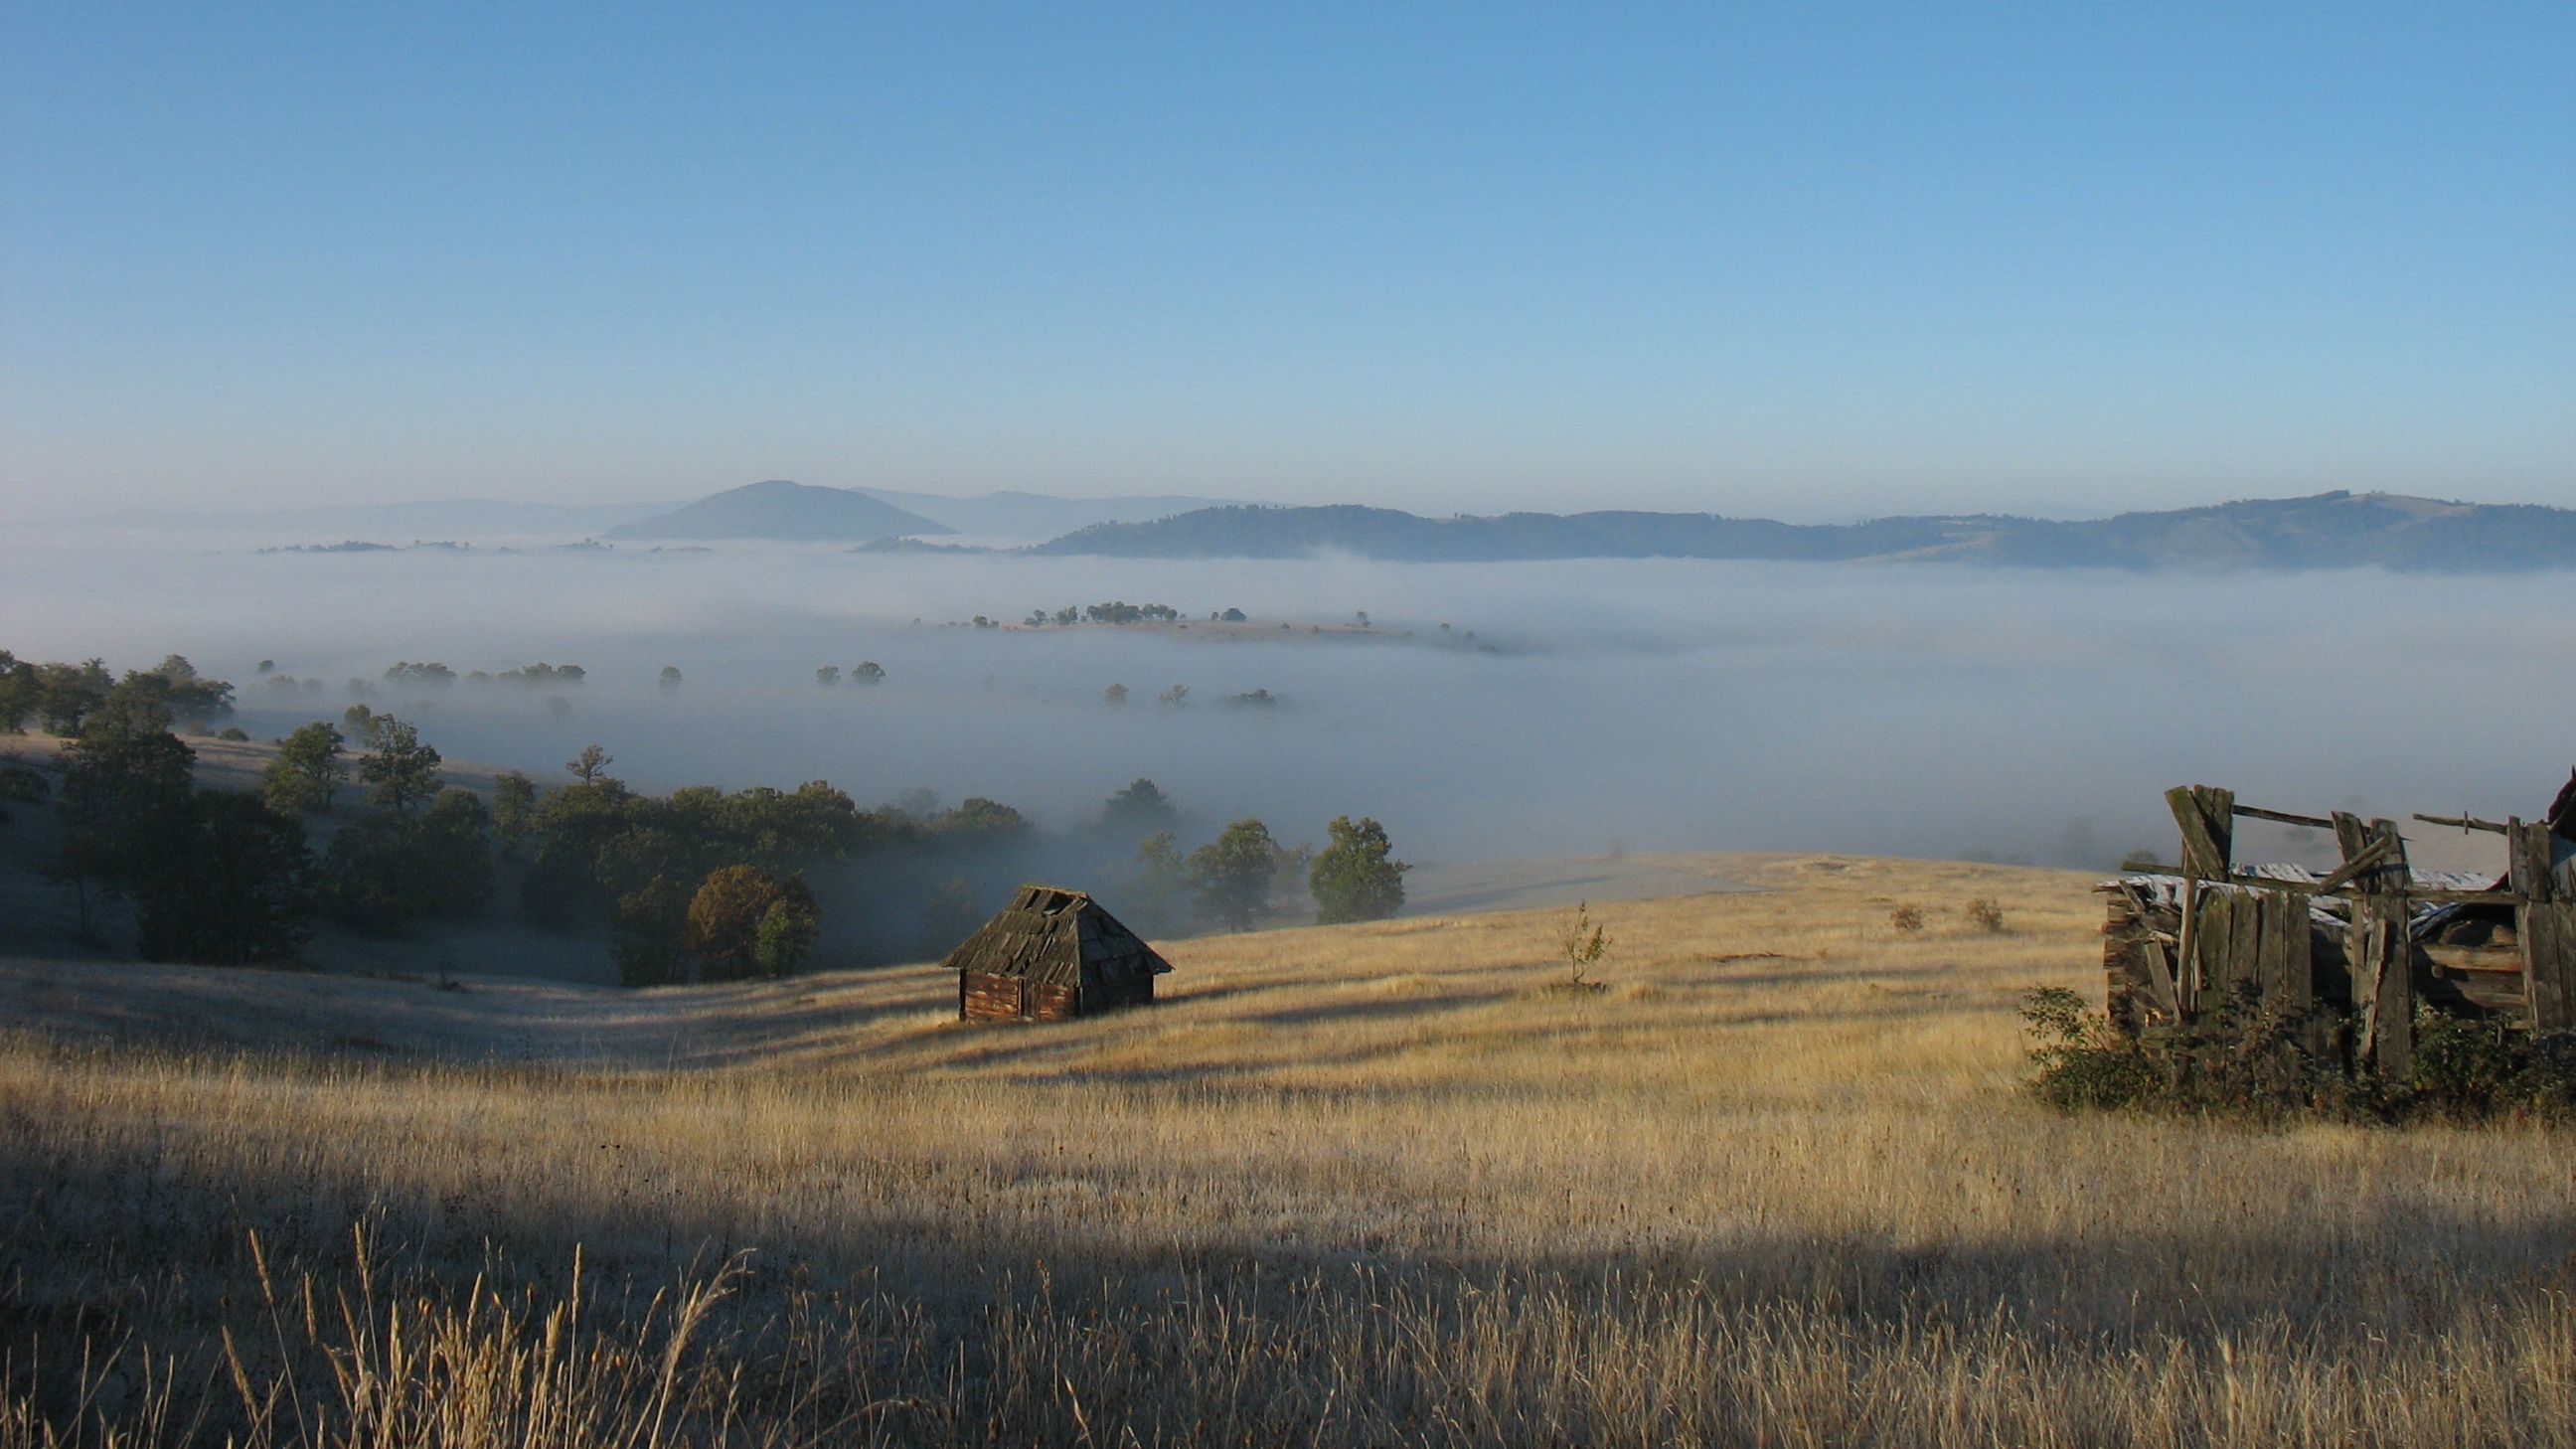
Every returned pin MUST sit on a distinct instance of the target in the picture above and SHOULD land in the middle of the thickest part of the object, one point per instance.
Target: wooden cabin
(1050, 955)
(2353, 950)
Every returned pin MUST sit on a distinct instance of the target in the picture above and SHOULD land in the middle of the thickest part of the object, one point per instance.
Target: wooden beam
(2313, 822)
(2488, 959)
(2463, 822)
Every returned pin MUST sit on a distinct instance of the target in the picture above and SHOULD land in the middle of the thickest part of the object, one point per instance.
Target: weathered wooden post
(2381, 946)
(2207, 818)
(2546, 926)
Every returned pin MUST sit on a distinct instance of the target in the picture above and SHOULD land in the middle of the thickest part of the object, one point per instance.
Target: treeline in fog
(357, 825)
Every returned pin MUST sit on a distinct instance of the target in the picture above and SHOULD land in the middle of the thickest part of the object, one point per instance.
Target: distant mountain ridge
(2328, 530)
(1007, 514)
(779, 509)
(440, 518)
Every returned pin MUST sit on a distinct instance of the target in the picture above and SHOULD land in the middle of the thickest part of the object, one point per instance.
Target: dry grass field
(1352, 1186)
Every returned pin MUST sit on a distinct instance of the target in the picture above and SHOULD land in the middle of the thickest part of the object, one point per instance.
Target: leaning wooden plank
(2187, 947)
(2391, 872)
(2364, 944)
(2160, 980)
(2206, 816)
(2370, 856)
(2395, 1046)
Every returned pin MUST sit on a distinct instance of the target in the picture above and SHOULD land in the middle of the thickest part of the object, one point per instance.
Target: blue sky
(1812, 261)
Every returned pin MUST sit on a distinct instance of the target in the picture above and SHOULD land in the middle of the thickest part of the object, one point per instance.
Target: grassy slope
(1366, 1184)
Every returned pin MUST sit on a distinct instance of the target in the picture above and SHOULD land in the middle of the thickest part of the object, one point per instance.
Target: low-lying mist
(1661, 705)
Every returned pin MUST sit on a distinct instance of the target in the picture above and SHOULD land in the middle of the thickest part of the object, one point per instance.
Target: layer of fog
(1621, 705)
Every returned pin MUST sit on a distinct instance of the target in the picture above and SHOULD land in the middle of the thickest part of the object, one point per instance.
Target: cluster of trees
(534, 675)
(214, 875)
(740, 923)
(696, 884)
(1178, 697)
(422, 851)
(866, 671)
(1245, 874)
(1117, 611)
(699, 883)
(431, 674)
(61, 697)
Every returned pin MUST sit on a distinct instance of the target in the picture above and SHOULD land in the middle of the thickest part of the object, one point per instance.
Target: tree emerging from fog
(1232, 874)
(1354, 877)
(400, 771)
(308, 771)
(746, 923)
(1141, 806)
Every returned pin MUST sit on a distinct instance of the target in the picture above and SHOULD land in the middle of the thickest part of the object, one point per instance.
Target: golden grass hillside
(1360, 1185)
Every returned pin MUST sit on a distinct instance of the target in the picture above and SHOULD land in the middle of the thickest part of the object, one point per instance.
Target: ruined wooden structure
(1049, 955)
(2354, 950)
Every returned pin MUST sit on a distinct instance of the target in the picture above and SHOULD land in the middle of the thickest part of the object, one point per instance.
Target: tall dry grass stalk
(1372, 1185)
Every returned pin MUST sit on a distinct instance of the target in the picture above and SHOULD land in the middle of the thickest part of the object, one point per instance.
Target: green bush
(2249, 1059)
(2475, 1070)
(23, 786)
(2079, 1059)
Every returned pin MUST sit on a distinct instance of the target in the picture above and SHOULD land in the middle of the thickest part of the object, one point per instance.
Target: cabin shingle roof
(1047, 933)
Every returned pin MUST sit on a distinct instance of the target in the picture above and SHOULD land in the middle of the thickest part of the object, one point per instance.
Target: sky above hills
(1817, 264)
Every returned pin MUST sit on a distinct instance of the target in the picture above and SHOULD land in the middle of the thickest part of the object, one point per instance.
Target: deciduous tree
(1232, 874)
(729, 916)
(308, 771)
(1141, 806)
(400, 771)
(1353, 878)
(646, 933)
(124, 785)
(224, 881)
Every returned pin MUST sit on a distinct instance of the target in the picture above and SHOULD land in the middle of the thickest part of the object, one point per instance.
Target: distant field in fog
(1625, 704)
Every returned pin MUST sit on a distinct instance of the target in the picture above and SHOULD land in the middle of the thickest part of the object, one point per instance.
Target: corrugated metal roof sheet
(2166, 890)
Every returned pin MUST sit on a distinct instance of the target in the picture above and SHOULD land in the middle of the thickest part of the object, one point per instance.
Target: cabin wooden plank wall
(983, 996)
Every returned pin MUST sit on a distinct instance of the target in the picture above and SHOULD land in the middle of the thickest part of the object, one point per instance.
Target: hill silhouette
(2327, 530)
(779, 509)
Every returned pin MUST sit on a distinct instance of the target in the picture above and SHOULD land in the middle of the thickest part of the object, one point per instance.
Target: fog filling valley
(1601, 706)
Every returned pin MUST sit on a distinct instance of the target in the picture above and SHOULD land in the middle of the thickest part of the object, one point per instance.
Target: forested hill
(2329, 530)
